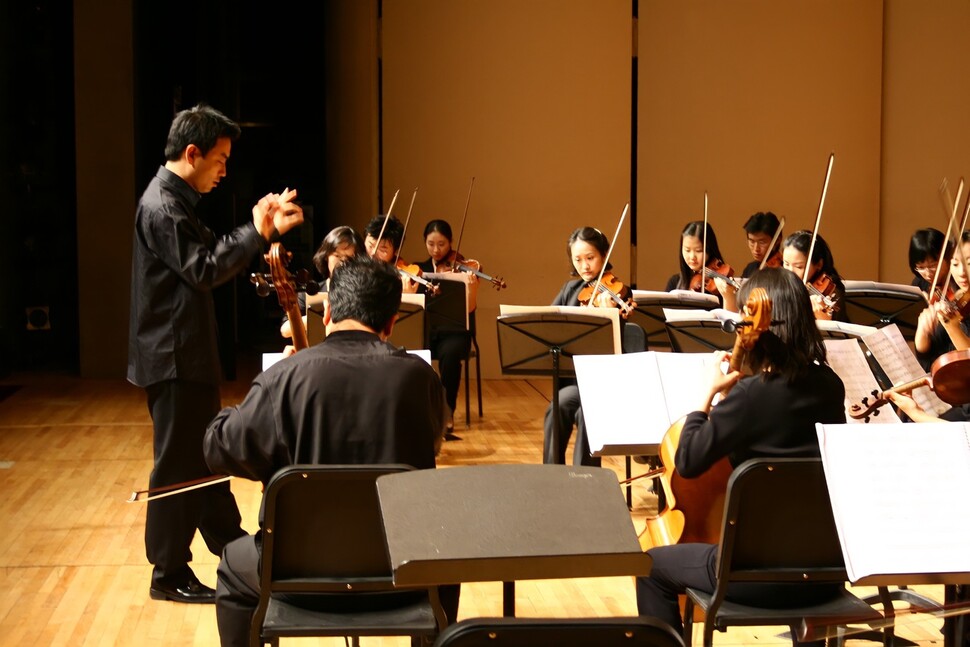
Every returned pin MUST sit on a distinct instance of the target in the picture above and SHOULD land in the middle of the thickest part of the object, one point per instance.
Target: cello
(695, 507)
(286, 285)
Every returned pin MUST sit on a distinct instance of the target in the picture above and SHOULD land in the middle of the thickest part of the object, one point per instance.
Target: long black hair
(337, 237)
(802, 240)
(695, 228)
(793, 341)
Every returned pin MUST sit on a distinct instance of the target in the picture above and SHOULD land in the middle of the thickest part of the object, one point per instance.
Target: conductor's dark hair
(440, 226)
(366, 290)
(338, 237)
(926, 245)
(590, 235)
(201, 125)
(793, 341)
(763, 222)
(393, 232)
(695, 228)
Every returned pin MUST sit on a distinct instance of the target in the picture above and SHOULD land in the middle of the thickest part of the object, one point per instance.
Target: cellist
(769, 413)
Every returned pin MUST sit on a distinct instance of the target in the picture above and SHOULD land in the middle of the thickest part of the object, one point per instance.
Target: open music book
(894, 357)
(888, 521)
(629, 401)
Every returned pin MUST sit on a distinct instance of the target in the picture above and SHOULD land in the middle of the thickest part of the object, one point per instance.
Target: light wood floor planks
(73, 569)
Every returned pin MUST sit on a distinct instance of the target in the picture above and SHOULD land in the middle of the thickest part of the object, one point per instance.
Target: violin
(715, 269)
(456, 262)
(773, 260)
(823, 286)
(949, 378)
(414, 273)
(613, 288)
(695, 507)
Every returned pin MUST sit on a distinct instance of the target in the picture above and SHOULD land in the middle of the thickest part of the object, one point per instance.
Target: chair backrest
(778, 524)
(634, 338)
(322, 529)
(527, 632)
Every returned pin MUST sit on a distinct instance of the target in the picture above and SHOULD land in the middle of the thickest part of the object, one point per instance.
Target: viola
(949, 378)
(695, 507)
(715, 269)
(414, 273)
(610, 286)
(456, 262)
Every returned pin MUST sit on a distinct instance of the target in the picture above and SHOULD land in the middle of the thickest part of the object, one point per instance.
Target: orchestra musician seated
(769, 413)
(351, 399)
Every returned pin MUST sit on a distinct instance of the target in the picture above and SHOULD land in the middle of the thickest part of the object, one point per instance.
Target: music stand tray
(437, 533)
(650, 305)
(543, 340)
(879, 304)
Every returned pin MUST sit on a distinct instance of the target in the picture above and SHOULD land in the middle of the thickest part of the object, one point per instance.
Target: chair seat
(286, 619)
(845, 605)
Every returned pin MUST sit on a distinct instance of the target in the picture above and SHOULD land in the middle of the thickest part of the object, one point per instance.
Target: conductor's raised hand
(289, 214)
(264, 212)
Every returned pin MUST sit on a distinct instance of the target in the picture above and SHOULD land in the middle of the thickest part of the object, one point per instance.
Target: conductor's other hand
(289, 214)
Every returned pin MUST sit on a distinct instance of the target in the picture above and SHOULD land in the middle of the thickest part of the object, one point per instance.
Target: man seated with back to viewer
(352, 399)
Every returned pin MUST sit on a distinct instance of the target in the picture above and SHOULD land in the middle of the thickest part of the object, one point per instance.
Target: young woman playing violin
(759, 230)
(337, 246)
(924, 257)
(769, 413)
(450, 348)
(824, 283)
(587, 248)
(942, 326)
(717, 280)
(387, 249)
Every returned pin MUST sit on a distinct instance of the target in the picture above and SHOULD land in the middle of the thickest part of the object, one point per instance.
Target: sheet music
(827, 325)
(717, 314)
(847, 360)
(685, 297)
(629, 400)
(613, 314)
(923, 527)
(888, 288)
(900, 365)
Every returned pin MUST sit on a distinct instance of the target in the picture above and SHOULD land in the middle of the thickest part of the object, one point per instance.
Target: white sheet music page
(900, 364)
(899, 496)
(630, 400)
(846, 359)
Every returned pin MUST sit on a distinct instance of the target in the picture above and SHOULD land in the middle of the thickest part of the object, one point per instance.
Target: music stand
(543, 340)
(650, 316)
(409, 326)
(698, 331)
(880, 304)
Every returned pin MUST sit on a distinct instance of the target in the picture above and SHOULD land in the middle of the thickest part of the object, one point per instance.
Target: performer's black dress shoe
(191, 591)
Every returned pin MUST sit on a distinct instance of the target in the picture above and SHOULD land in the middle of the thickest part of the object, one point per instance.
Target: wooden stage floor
(73, 568)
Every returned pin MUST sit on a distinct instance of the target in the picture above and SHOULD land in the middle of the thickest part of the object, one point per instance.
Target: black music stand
(446, 311)
(649, 311)
(699, 336)
(880, 304)
(544, 343)
(409, 326)
(437, 532)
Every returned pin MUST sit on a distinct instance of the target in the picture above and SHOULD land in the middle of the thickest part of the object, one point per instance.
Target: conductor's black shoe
(192, 591)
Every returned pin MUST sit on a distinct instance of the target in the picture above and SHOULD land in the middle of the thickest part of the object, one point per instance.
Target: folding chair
(562, 632)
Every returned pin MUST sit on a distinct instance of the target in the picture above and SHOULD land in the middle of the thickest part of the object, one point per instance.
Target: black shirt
(176, 262)
(350, 399)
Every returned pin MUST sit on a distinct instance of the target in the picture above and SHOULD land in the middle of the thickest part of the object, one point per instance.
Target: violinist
(769, 413)
(824, 283)
(387, 249)
(587, 248)
(449, 347)
(337, 246)
(692, 259)
(941, 327)
(924, 256)
(760, 230)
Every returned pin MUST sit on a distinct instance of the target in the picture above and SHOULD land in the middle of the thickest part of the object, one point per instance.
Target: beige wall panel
(530, 98)
(926, 123)
(746, 100)
(351, 112)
